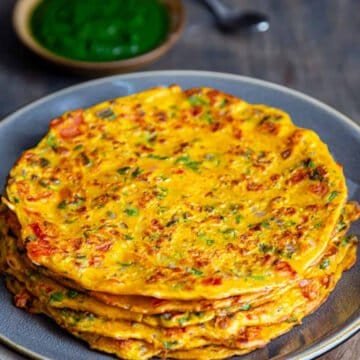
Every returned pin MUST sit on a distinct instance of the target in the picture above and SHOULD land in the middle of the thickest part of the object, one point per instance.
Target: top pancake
(177, 195)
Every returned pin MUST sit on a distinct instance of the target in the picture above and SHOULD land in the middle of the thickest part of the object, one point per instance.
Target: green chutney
(100, 30)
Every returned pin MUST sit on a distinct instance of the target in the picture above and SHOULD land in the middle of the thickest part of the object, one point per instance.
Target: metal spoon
(231, 20)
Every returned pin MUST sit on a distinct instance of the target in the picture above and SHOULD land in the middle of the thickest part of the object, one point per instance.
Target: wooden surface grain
(312, 46)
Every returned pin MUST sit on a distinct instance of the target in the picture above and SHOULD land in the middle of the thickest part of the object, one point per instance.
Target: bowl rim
(322, 345)
(20, 20)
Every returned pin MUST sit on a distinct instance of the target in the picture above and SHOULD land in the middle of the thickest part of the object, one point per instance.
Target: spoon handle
(217, 7)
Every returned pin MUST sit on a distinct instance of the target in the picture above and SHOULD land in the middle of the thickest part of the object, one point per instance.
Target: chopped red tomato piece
(158, 302)
(69, 126)
(21, 299)
(39, 248)
(38, 231)
(212, 281)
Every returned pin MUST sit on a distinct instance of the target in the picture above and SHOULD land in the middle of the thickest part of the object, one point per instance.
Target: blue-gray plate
(338, 319)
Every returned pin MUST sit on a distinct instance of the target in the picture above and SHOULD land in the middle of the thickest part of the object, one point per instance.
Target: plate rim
(328, 342)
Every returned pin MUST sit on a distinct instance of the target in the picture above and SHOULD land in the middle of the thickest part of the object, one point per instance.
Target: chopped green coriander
(85, 159)
(125, 265)
(136, 172)
(78, 200)
(207, 117)
(188, 162)
(172, 221)
(341, 225)
(51, 141)
(309, 164)
(332, 196)
(195, 271)
(57, 296)
(315, 174)
(223, 103)
(72, 294)
(257, 277)
(348, 239)
(230, 232)
(30, 238)
(151, 137)
(43, 183)
(123, 170)
(182, 321)
(110, 214)
(265, 248)
(106, 114)
(289, 223)
(78, 147)
(157, 157)
(324, 264)
(248, 153)
(131, 211)
(196, 100)
(44, 162)
(169, 344)
(161, 192)
(238, 219)
(62, 204)
(209, 208)
(291, 319)
(265, 224)
(193, 165)
(245, 307)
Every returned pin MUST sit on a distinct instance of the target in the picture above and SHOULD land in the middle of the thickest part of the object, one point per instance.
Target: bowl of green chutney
(99, 36)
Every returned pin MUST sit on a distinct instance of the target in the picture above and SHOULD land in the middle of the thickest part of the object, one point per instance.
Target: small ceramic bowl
(21, 20)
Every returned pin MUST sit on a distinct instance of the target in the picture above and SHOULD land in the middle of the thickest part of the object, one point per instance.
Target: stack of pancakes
(180, 224)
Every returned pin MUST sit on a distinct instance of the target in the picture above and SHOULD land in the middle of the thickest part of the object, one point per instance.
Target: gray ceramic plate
(336, 320)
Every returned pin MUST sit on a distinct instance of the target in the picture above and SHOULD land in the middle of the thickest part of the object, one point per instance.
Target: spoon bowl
(229, 20)
(245, 21)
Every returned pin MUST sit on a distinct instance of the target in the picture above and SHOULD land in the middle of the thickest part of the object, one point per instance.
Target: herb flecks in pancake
(187, 224)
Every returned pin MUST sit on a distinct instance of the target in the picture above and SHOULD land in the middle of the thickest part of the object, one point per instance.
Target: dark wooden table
(312, 46)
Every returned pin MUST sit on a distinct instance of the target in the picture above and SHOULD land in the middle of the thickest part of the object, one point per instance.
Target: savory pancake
(227, 330)
(248, 313)
(241, 339)
(49, 290)
(178, 224)
(177, 195)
